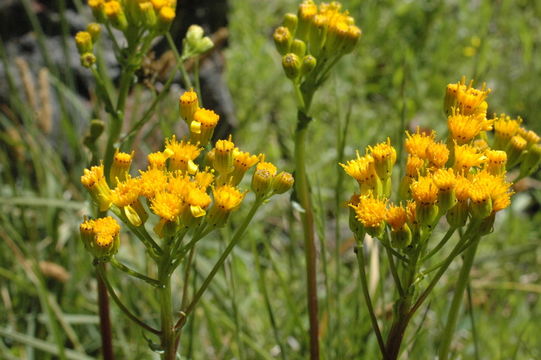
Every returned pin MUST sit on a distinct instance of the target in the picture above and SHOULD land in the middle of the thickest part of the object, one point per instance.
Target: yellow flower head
(396, 216)
(156, 160)
(384, 156)
(265, 165)
(530, 136)
(495, 185)
(370, 212)
(437, 154)
(188, 102)
(504, 129)
(496, 160)
(307, 9)
(469, 99)
(126, 192)
(227, 198)
(464, 128)
(411, 212)
(166, 205)
(152, 181)
(462, 188)
(179, 184)
(417, 143)
(183, 154)
(242, 160)
(105, 231)
(120, 167)
(414, 166)
(223, 156)
(424, 191)
(466, 157)
(361, 169)
(518, 143)
(203, 179)
(208, 118)
(445, 179)
(92, 177)
(203, 124)
(198, 200)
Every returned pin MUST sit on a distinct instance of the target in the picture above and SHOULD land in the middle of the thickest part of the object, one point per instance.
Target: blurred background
(394, 80)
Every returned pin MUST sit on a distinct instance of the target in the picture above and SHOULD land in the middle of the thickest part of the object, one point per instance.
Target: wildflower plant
(311, 42)
(458, 183)
(187, 191)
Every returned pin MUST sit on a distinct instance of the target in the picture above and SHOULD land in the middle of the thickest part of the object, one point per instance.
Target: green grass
(409, 51)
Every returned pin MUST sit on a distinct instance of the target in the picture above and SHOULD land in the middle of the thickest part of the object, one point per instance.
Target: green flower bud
(88, 59)
(282, 182)
(282, 39)
(290, 22)
(308, 64)
(530, 161)
(458, 214)
(401, 238)
(298, 47)
(291, 65)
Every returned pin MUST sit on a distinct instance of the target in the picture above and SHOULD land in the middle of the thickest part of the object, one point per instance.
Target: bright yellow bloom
(414, 166)
(464, 128)
(469, 99)
(424, 191)
(437, 154)
(188, 102)
(120, 166)
(242, 161)
(384, 158)
(179, 184)
(126, 192)
(396, 216)
(152, 181)
(518, 143)
(166, 205)
(198, 200)
(445, 179)
(530, 136)
(417, 143)
(370, 211)
(203, 179)
(361, 169)
(227, 198)
(156, 160)
(223, 156)
(466, 157)
(184, 153)
(105, 230)
(202, 126)
(94, 181)
(496, 160)
(462, 188)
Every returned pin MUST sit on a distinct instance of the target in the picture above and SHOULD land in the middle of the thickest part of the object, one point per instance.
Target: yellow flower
(242, 161)
(530, 136)
(202, 126)
(469, 99)
(126, 192)
(462, 188)
(417, 143)
(464, 128)
(444, 179)
(384, 158)
(156, 160)
(105, 230)
(188, 102)
(166, 205)
(120, 167)
(152, 181)
(100, 236)
(223, 156)
(183, 155)
(496, 160)
(371, 213)
(466, 157)
(226, 198)
(94, 181)
(198, 200)
(437, 154)
(424, 191)
(504, 129)
(414, 166)
(396, 216)
(203, 179)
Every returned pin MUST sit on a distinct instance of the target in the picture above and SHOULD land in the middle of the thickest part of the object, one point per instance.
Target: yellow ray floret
(417, 143)
(424, 191)
(370, 211)
(167, 206)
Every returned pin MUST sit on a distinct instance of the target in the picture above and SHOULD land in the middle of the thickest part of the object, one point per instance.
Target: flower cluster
(462, 178)
(316, 35)
(185, 185)
(139, 21)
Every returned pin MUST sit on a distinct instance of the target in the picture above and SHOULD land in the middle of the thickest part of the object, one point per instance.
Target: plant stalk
(454, 310)
(168, 343)
(307, 218)
(105, 321)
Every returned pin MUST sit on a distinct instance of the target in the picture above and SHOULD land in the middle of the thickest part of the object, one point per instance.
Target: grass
(256, 307)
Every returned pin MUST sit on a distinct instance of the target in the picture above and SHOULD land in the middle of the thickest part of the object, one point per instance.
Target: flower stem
(166, 308)
(364, 285)
(307, 218)
(234, 241)
(454, 310)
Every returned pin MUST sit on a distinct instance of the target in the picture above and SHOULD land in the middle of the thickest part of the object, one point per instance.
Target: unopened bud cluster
(316, 35)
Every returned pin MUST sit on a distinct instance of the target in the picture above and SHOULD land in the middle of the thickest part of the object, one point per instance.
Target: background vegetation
(256, 308)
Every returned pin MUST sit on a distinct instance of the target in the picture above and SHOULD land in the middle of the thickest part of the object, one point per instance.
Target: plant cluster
(461, 178)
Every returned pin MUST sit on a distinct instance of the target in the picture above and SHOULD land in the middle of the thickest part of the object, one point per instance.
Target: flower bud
(282, 39)
(223, 156)
(101, 237)
(291, 65)
(83, 40)
(261, 182)
(458, 214)
(308, 64)
(515, 149)
(282, 182)
(401, 238)
(120, 167)
(290, 22)
(298, 47)
(147, 14)
(188, 104)
(87, 60)
(203, 125)
(94, 181)
(531, 160)
(426, 214)
(94, 30)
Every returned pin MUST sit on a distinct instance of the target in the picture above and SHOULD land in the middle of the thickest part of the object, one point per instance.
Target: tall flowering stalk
(311, 43)
(458, 183)
(183, 195)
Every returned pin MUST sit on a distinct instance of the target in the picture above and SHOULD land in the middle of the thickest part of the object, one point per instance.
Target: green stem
(392, 265)
(134, 273)
(101, 272)
(234, 241)
(180, 61)
(359, 250)
(441, 244)
(307, 218)
(168, 342)
(454, 310)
